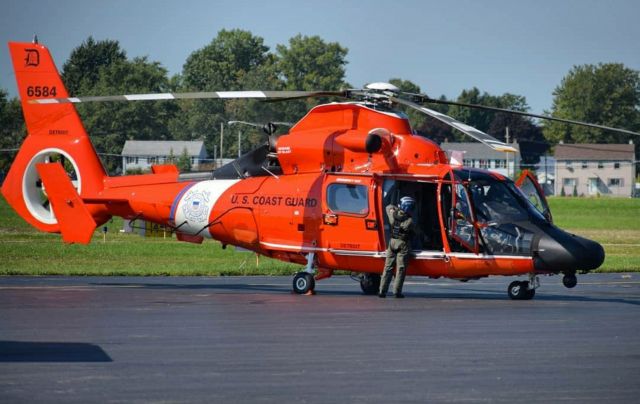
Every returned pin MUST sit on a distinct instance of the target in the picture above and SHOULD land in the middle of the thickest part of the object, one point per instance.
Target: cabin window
(348, 198)
(616, 166)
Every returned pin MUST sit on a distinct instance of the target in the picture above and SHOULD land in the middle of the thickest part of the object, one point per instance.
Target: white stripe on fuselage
(196, 205)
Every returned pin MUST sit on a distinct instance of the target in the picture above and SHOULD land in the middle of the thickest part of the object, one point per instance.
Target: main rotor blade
(264, 95)
(462, 127)
(510, 111)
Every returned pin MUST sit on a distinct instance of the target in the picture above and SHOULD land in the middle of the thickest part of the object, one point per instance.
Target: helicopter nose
(559, 251)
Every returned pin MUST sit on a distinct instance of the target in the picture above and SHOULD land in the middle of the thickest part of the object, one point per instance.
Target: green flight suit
(398, 250)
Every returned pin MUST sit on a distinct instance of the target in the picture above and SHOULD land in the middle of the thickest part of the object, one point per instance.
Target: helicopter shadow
(234, 287)
(483, 294)
(28, 351)
(456, 293)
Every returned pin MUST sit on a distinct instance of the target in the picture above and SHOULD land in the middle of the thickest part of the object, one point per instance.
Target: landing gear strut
(304, 281)
(569, 280)
(370, 284)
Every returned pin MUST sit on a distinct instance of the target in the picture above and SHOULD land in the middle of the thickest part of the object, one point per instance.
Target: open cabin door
(427, 239)
(458, 215)
(461, 229)
(534, 193)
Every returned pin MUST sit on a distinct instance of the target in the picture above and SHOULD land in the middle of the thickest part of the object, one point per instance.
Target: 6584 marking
(41, 91)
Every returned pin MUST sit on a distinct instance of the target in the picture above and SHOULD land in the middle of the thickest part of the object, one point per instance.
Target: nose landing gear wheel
(370, 284)
(569, 281)
(519, 290)
(303, 282)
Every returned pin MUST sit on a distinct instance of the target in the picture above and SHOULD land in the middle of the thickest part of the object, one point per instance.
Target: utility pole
(506, 136)
(221, 141)
(546, 175)
(239, 144)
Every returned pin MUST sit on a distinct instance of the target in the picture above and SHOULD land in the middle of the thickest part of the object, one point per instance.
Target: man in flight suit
(398, 250)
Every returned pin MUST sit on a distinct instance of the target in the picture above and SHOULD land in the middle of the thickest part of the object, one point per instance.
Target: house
(595, 169)
(480, 156)
(142, 154)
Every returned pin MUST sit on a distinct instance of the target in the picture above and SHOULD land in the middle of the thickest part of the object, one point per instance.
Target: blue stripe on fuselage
(174, 205)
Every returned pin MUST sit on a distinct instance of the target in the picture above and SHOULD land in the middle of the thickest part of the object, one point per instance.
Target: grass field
(615, 223)
(26, 251)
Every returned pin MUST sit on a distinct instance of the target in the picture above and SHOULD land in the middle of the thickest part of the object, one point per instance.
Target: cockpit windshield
(501, 211)
(495, 203)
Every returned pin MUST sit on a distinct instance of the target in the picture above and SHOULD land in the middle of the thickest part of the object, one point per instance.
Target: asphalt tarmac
(237, 339)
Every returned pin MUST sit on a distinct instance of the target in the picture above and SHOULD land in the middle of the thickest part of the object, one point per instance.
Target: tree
(171, 158)
(82, 70)
(482, 119)
(12, 131)
(101, 68)
(233, 60)
(310, 63)
(422, 124)
(521, 129)
(114, 123)
(184, 161)
(528, 135)
(416, 118)
(606, 94)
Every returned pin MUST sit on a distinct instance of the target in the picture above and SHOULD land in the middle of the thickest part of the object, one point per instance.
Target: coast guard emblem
(195, 206)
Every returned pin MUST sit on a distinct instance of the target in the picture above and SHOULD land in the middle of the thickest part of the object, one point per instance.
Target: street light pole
(221, 141)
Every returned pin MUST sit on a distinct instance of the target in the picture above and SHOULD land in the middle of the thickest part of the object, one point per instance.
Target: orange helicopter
(315, 196)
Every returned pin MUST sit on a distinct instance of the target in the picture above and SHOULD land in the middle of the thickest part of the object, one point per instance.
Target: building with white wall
(595, 169)
(142, 154)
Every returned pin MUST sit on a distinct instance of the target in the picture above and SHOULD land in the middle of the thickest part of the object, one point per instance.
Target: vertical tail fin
(54, 133)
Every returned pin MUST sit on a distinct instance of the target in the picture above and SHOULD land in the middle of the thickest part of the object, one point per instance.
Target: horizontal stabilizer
(76, 223)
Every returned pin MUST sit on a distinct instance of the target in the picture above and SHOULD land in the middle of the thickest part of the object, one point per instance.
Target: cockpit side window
(463, 229)
(498, 212)
(458, 216)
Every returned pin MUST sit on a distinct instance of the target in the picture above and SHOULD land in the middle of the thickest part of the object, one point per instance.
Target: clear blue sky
(522, 47)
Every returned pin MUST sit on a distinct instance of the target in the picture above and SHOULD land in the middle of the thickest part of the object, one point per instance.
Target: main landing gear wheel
(519, 290)
(370, 284)
(569, 281)
(303, 282)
